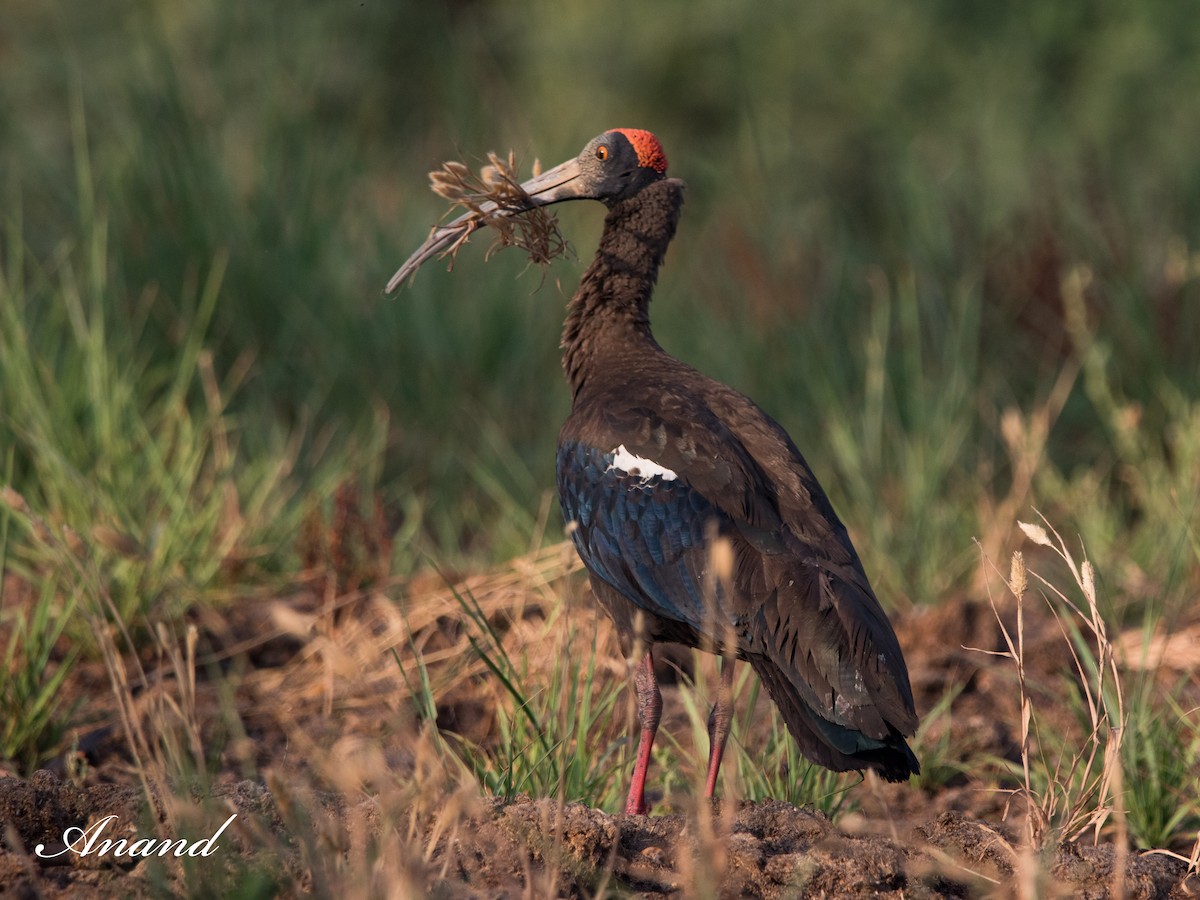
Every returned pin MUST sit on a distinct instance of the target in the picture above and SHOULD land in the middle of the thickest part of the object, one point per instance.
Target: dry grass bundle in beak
(495, 197)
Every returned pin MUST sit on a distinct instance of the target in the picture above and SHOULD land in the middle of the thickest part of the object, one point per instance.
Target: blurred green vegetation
(202, 203)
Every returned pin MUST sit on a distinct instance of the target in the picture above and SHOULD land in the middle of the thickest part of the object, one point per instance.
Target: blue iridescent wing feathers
(645, 536)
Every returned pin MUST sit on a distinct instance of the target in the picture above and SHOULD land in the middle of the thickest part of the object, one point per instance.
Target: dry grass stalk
(1080, 793)
(1192, 860)
(1026, 436)
(360, 647)
(495, 197)
(158, 715)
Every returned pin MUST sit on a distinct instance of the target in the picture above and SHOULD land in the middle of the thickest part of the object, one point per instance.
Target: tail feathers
(831, 745)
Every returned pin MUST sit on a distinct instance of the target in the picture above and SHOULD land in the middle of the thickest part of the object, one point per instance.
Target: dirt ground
(768, 849)
(951, 838)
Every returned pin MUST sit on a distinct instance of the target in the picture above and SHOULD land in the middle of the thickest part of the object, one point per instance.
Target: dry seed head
(13, 500)
(1012, 428)
(1017, 580)
(291, 622)
(1035, 533)
(1088, 576)
(639, 643)
(721, 554)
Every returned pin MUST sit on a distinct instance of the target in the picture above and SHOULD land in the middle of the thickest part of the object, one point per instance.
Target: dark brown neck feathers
(609, 314)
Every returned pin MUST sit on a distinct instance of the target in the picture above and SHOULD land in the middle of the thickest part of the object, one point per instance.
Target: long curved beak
(563, 182)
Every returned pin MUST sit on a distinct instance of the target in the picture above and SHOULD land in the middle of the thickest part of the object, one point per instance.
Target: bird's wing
(646, 492)
(643, 534)
(814, 608)
(821, 625)
(649, 487)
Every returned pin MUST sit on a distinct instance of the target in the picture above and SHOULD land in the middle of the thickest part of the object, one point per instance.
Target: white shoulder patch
(624, 461)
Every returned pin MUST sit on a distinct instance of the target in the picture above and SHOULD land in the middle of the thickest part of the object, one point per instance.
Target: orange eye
(602, 152)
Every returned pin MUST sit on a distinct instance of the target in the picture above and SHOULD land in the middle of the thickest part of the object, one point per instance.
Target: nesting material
(495, 197)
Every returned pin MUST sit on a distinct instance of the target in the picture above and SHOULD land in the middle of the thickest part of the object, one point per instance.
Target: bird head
(613, 166)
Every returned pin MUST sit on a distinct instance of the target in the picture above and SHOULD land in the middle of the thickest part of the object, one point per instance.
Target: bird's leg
(649, 709)
(719, 722)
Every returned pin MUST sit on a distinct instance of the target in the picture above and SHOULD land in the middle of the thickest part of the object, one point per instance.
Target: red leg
(649, 708)
(719, 722)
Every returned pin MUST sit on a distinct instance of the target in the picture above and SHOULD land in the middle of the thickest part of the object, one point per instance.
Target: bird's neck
(609, 315)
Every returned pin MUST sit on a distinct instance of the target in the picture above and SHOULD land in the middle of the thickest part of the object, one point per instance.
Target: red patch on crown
(649, 150)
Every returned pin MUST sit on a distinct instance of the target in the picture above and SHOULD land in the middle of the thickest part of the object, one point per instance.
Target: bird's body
(659, 467)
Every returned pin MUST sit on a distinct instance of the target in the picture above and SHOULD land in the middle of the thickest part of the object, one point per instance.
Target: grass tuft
(1068, 784)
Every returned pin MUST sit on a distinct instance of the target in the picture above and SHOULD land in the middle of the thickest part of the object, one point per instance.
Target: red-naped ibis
(657, 463)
